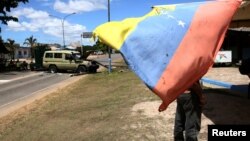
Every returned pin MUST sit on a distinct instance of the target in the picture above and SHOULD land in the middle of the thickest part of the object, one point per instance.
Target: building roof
(244, 29)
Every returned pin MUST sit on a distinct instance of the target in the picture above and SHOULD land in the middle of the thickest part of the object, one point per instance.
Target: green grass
(95, 108)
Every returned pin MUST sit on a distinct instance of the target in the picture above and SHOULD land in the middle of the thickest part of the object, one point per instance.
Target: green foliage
(12, 47)
(39, 51)
(2, 46)
(31, 41)
(100, 46)
(87, 50)
(6, 6)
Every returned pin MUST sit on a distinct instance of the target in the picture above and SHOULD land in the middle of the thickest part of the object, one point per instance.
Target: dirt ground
(221, 108)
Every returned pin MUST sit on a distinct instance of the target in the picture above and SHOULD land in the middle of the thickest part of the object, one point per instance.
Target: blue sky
(43, 18)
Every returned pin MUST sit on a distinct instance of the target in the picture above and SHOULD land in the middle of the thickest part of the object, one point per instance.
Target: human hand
(203, 100)
(162, 107)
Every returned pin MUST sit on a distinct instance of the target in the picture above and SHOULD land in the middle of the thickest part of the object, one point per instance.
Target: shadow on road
(227, 108)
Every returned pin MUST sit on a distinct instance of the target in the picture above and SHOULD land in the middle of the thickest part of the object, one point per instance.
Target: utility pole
(62, 21)
(109, 49)
(81, 45)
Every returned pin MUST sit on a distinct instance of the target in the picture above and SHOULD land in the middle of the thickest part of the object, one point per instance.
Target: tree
(5, 7)
(2, 46)
(39, 51)
(12, 47)
(31, 41)
(101, 46)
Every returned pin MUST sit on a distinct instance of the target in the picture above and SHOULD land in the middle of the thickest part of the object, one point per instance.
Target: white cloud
(79, 6)
(15, 26)
(39, 21)
(45, 3)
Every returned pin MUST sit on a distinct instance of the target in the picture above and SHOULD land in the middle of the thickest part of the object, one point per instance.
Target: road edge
(21, 102)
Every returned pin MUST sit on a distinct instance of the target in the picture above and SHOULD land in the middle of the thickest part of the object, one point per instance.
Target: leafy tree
(101, 46)
(2, 47)
(12, 47)
(5, 7)
(31, 41)
(39, 51)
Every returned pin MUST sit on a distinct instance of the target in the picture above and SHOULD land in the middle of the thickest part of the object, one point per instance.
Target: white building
(23, 53)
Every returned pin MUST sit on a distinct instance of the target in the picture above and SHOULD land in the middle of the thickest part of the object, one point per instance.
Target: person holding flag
(188, 113)
(171, 47)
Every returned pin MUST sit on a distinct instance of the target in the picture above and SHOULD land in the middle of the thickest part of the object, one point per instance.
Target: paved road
(17, 86)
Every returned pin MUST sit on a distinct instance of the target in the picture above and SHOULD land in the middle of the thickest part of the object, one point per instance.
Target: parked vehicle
(67, 60)
(224, 58)
(98, 52)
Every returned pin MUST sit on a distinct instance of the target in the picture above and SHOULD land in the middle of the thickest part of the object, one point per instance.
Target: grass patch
(95, 108)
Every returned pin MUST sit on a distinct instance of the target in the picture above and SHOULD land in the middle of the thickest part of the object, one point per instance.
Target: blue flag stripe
(151, 51)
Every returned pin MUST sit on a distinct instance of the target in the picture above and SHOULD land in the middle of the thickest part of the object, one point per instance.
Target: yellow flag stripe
(115, 33)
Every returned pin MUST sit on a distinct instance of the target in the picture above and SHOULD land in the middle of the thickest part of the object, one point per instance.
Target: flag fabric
(172, 46)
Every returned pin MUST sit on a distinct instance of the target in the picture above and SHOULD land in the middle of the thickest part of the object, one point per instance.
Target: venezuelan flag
(172, 46)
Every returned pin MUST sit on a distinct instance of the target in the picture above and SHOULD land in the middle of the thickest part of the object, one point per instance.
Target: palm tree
(2, 47)
(31, 41)
(12, 47)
